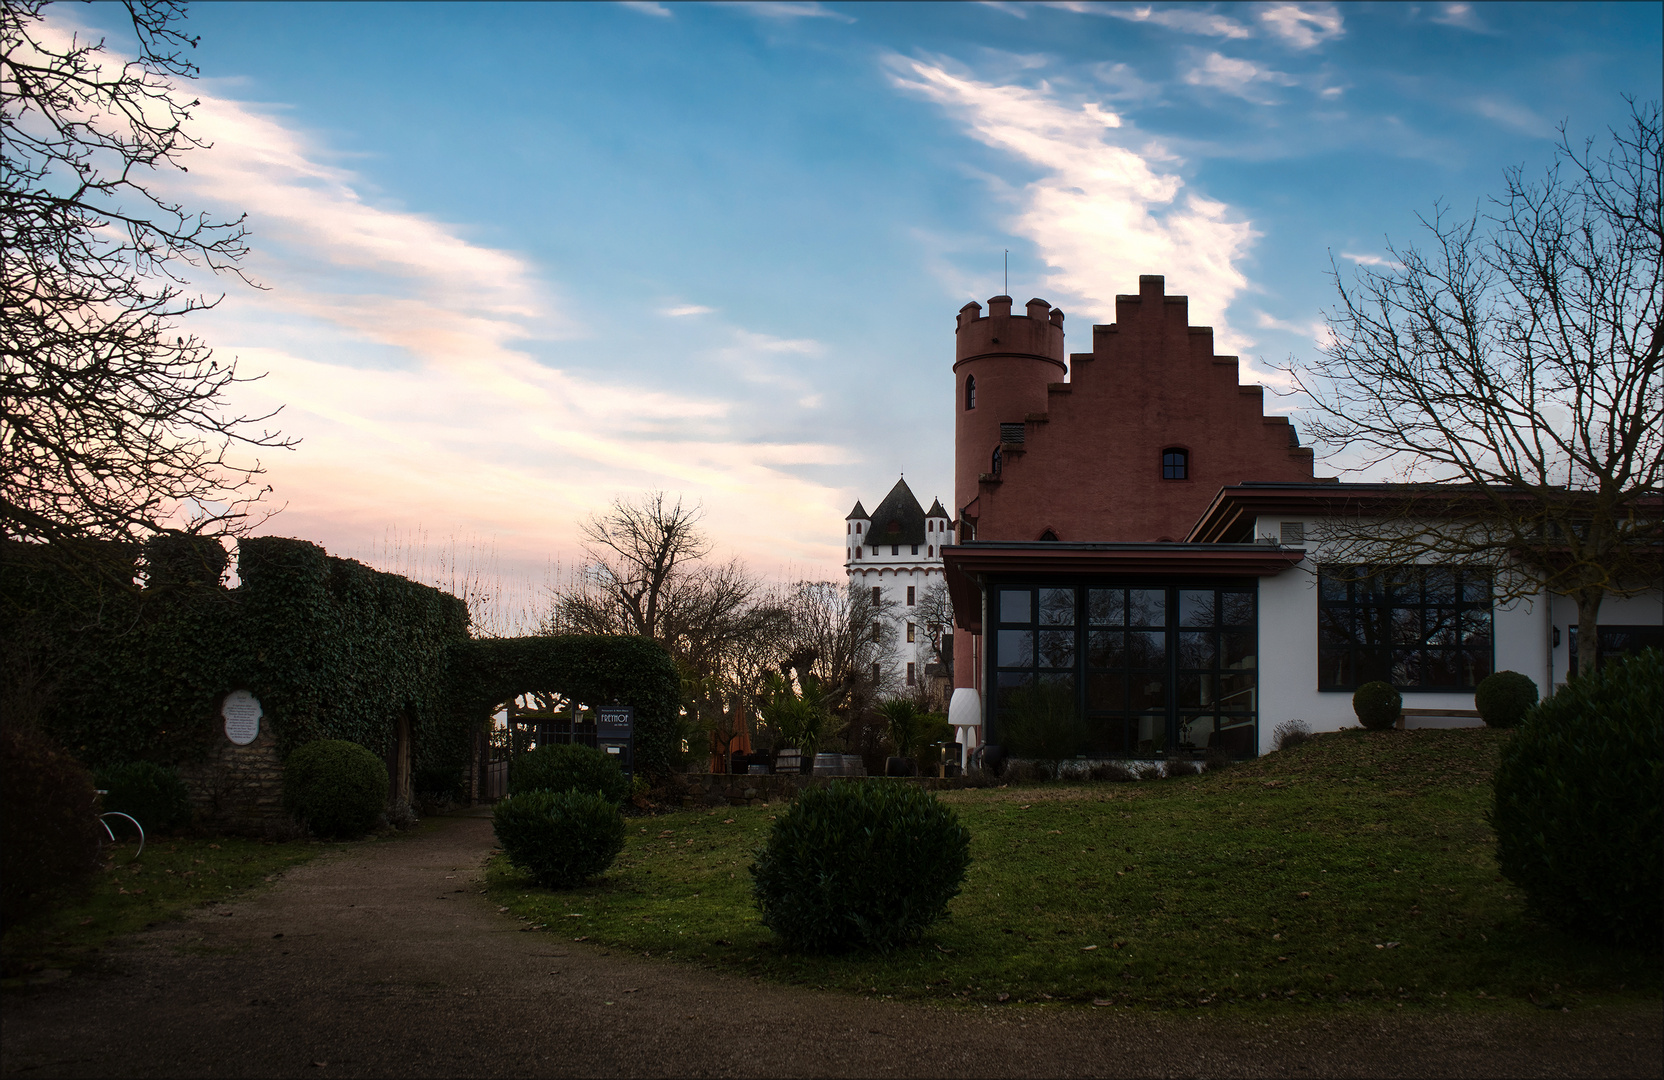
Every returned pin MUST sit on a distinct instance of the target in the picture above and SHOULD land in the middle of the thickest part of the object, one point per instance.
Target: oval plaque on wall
(242, 717)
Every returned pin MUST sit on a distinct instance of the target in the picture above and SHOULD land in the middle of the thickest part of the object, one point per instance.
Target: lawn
(1354, 870)
(172, 876)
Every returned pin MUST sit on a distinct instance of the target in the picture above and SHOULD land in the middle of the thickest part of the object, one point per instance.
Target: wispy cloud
(1303, 26)
(1460, 15)
(1317, 330)
(1512, 114)
(684, 310)
(1241, 78)
(1101, 213)
(787, 9)
(646, 7)
(1371, 260)
(1185, 20)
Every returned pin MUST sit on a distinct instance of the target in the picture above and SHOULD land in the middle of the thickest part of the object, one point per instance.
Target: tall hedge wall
(591, 669)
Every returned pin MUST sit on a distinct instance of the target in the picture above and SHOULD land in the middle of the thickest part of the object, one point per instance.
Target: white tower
(897, 550)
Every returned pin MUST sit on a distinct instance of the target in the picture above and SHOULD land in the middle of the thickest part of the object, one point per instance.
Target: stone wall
(239, 788)
(713, 789)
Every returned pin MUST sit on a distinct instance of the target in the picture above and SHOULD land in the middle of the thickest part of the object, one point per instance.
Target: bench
(1466, 714)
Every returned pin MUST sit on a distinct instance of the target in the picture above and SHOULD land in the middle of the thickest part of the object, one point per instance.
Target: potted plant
(906, 724)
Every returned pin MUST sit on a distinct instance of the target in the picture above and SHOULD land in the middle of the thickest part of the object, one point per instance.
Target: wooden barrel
(788, 761)
(854, 766)
(829, 764)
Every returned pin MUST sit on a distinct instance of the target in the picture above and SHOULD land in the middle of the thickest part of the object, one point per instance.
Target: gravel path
(387, 961)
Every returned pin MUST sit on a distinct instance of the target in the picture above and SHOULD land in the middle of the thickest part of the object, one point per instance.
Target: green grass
(171, 877)
(1357, 869)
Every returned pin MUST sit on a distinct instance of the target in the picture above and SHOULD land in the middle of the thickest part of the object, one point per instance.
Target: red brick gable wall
(1089, 465)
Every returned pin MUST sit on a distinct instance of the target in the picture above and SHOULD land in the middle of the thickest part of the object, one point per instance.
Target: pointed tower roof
(936, 510)
(899, 519)
(859, 513)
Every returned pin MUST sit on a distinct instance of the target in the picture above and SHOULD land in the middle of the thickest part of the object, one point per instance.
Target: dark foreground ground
(387, 961)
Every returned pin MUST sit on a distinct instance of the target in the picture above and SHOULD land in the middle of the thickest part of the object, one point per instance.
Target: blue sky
(524, 258)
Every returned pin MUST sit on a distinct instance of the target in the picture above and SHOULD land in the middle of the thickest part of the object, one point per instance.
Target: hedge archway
(593, 669)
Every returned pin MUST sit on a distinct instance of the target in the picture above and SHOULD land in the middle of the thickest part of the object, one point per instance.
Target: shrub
(1179, 766)
(1579, 803)
(1503, 697)
(860, 865)
(560, 838)
(568, 766)
(1111, 772)
(1377, 705)
(1149, 772)
(335, 787)
(1291, 733)
(49, 829)
(1217, 759)
(152, 793)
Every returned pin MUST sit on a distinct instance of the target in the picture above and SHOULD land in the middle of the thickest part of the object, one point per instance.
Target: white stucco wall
(1521, 633)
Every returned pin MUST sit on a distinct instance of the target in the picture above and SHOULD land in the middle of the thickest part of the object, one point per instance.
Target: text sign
(242, 717)
(615, 722)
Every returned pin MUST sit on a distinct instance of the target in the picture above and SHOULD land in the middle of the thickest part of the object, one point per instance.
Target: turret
(1002, 365)
(856, 527)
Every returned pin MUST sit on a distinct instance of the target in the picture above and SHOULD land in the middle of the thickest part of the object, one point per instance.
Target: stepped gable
(859, 513)
(899, 519)
(936, 510)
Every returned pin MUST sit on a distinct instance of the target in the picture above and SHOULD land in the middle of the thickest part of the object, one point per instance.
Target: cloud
(1123, 83)
(683, 310)
(786, 9)
(1316, 330)
(1303, 26)
(646, 7)
(1460, 15)
(1182, 19)
(1371, 260)
(1236, 76)
(1512, 114)
(1100, 214)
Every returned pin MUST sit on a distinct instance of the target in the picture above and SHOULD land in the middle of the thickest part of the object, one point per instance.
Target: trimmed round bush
(1579, 804)
(1503, 697)
(335, 787)
(565, 766)
(560, 838)
(49, 829)
(863, 864)
(152, 793)
(1377, 705)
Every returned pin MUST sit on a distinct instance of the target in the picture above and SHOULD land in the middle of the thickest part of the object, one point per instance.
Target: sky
(520, 260)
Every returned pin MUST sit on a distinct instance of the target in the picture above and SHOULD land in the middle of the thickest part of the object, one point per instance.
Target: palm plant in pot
(906, 723)
(798, 716)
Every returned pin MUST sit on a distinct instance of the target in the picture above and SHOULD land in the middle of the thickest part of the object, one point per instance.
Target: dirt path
(387, 961)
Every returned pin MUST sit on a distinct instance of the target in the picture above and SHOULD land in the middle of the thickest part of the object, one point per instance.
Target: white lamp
(965, 710)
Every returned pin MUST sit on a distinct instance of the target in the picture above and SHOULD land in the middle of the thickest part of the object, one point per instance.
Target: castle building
(1136, 539)
(897, 552)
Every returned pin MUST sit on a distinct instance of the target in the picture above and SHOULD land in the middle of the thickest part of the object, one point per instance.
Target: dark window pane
(1406, 668)
(1016, 649)
(1107, 649)
(1403, 584)
(1195, 691)
(1108, 607)
(1239, 650)
(1476, 588)
(1237, 741)
(1334, 668)
(1106, 691)
(1012, 682)
(1373, 625)
(1146, 649)
(1332, 588)
(1238, 609)
(1146, 691)
(1146, 607)
(1476, 663)
(1236, 693)
(1057, 607)
(1442, 627)
(1196, 732)
(1197, 649)
(1152, 734)
(1371, 665)
(1371, 589)
(1476, 628)
(1441, 667)
(1196, 607)
(1334, 626)
(1440, 585)
(1014, 606)
(1057, 648)
(1406, 626)
(1112, 735)
(1062, 683)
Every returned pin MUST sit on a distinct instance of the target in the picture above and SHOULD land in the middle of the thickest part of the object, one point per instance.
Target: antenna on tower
(1008, 271)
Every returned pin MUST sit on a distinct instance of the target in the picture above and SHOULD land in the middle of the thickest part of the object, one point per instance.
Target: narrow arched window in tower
(970, 392)
(1175, 464)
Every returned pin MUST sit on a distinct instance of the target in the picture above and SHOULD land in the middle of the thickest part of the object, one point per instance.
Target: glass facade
(1151, 667)
(1416, 627)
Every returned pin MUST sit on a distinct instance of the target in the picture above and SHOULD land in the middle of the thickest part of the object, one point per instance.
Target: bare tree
(935, 614)
(112, 423)
(843, 635)
(1516, 362)
(642, 550)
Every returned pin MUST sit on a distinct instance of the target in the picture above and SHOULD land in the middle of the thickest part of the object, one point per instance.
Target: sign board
(615, 722)
(242, 717)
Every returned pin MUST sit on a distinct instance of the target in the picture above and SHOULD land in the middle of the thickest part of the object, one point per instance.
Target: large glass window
(1416, 627)
(1151, 668)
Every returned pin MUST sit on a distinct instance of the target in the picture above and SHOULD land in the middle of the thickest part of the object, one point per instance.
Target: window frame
(1389, 602)
(1183, 455)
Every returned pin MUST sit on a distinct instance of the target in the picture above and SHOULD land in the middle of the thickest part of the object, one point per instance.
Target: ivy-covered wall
(330, 647)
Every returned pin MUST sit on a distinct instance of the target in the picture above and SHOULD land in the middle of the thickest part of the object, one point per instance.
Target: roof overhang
(966, 566)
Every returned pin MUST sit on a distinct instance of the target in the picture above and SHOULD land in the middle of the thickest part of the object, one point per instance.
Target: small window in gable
(1175, 464)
